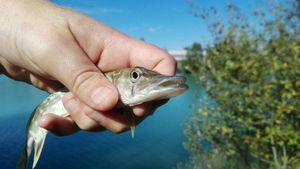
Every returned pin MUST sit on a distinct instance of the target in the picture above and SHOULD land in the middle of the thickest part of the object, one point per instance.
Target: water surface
(158, 141)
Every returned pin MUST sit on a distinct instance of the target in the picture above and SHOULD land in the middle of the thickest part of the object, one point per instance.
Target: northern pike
(135, 86)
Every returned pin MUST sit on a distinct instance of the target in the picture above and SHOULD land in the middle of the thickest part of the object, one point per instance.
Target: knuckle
(172, 61)
(85, 126)
(82, 120)
(80, 78)
(92, 87)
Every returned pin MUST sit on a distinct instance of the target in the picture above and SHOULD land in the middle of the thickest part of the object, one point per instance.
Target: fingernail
(101, 96)
(98, 117)
(140, 110)
(46, 122)
(43, 122)
(72, 105)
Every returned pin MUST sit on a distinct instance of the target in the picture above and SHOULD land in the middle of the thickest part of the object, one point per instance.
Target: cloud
(158, 29)
(152, 29)
(97, 10)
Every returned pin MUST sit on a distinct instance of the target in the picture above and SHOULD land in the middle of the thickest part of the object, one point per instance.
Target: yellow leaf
(205, 113)
(257, 135)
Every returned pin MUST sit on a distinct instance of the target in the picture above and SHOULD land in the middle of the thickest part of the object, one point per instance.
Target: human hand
(50, 47)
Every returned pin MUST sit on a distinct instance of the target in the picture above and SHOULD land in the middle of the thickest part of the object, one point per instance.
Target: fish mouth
(171, 86)
(159, 88)
(174, 82)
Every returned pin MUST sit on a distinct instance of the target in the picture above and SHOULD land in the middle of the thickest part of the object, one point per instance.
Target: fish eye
(135, 76)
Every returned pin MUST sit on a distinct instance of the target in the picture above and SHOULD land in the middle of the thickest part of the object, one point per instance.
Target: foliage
(252, 72)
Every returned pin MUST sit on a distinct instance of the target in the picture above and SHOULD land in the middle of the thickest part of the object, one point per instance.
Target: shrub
(252, 72)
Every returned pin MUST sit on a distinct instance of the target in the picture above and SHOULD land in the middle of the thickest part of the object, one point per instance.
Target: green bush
(252, 72)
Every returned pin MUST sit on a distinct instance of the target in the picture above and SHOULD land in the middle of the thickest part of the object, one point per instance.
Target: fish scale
(135, 86)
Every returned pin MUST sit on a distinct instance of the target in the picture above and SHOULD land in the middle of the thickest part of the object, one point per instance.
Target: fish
(135, 85)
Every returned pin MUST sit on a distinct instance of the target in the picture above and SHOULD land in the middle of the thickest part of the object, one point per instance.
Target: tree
(252, 72)
(194, 53)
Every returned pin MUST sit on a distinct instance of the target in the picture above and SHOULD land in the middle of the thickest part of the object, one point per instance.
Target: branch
(274, 153)
(261, 159)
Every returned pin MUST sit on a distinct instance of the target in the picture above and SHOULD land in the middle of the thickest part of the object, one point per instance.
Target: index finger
(110, 49)
(152, 57)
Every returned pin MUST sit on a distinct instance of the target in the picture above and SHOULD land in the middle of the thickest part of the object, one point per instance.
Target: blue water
(158, 141)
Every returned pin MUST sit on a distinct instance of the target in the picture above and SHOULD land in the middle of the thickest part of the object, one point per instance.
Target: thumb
(92, 88)
(80, 75)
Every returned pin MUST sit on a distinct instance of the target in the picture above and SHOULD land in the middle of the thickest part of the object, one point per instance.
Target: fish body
(135, 85)
(35, 135)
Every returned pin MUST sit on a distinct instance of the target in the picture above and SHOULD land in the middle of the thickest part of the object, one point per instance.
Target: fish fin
(34, 141)
(132, 127)
(132, 131)
(23, 160)
(38, 147)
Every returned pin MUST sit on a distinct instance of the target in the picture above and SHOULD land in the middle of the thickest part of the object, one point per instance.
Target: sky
(168, 24)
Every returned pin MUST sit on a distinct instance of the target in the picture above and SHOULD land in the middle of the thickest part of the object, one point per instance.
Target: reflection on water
(158, 141)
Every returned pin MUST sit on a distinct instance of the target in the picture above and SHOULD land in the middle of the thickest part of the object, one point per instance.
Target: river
(158, 141)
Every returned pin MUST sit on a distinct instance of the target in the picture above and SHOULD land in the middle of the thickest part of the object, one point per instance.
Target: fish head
(138, 85)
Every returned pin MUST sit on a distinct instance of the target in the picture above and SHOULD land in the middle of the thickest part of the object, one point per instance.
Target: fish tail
(38, 147)
(35, 135)
(34, 141)
(23, 160)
